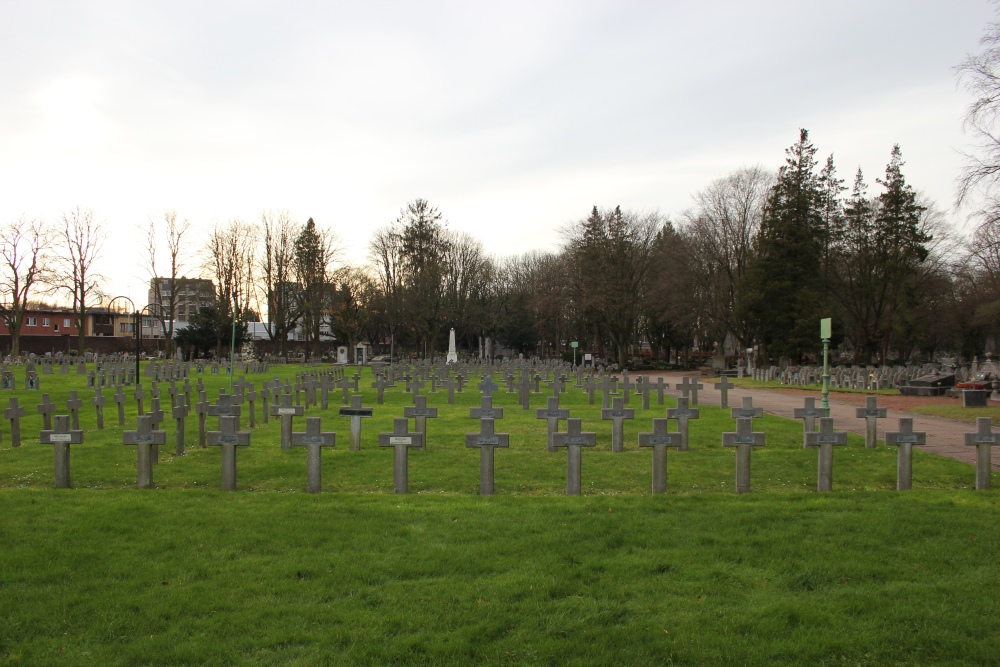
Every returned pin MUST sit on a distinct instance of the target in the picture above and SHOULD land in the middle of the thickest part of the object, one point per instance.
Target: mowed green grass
(106, 574)
(959, 413)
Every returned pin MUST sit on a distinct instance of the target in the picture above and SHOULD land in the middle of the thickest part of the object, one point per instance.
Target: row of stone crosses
(147, 436)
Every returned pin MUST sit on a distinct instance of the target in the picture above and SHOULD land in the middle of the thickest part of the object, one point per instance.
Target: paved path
(945, 437)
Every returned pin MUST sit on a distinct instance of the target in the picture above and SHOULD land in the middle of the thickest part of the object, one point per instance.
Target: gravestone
(747, 411)
(825, 440)
(31, 382)
(486, 410)
(723, 386)
(314, 439)
(73, 405)
(46, 408)
(8, 380)
(660, 440)
(401, 440)
(808, 414)
(145, 438)
(139, 395)
(690, 389)
(225, 407)
(660, 386)
(871, 413)
(179, 411)
(356, 412)
(904, 440)
(618, 413)
(420, 413)
(98, 402)
(682, 413)
(119, 398)
(552, 414)
(228, 439)
(14, 414)
(201, 409)
(744, 440)
(61, 437)
(486, 440)
(984, 440)
(573, 439)
(379, 384)
(285, 412)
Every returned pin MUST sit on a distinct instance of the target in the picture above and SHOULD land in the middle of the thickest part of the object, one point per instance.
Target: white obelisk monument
(452, 354)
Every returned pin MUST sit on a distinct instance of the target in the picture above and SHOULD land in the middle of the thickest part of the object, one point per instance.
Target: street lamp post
(136, 325)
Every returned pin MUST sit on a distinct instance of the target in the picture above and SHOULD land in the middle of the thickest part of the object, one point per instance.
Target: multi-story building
(192, 294)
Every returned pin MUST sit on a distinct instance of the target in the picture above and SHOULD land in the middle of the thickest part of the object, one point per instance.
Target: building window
(66, 322)
(32, 321)
(45, 321)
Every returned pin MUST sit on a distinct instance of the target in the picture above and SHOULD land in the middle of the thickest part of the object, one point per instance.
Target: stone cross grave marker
(984, 440)
(314, 439)
(379, 384)
(416, 384)
(179, 411)
(145, 438)
(486, 410)
(285, 412)
(682, 413)
(14, 414)
(825, 440)
(904, 439)
(690, 389)
(345, 385)
(201, 409)
(723, 386)
(139, 395)
(401, 440)
(486, 440)
(618, 413)
(420, 412)
(524, 390)
(356, 412)
(660, 387)
(265, 394)
(228, 439)
(119, 398)
(590, 386)
(451, 384)
(98, 402)
(251, 398)
(644, 387)
(61, 437)
(573, 440)
(744, 440)
(225, 407)
(627, 387)
(73, 404)
(607, 385)
(871, 413)
(46, 408)
(552, 413)
(660, 440)
(155, 419)
(487, 386)
(808, 414)
(747, 411)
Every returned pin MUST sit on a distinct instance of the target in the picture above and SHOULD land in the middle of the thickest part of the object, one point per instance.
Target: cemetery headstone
(984, 440)
(14, 413)
(179, 411)
(285, 412)
(573, 439)
(145, 438)
(904, 439)
(723, 386)
(744, 440)
(46, 408)
(825, 440)
(871, 413)
(73, 405)
(682, 413)
(487, 441)
(420, 413)
(61, 437)
(356, 412)
(659, 440)
(314, 439)
(401, 440)
(228, 439)
(618, 413)
(808, 414)
(98, 402)
(551, 414)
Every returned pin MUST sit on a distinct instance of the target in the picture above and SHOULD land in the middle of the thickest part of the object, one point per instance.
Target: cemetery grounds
(107, 574)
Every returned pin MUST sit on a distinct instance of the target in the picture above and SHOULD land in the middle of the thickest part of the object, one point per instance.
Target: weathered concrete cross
(14, 414)
(573, 440)
(201, 409)
(379, 385)
(401, 440)
(590, 386)
(486, 410)
(420, 412)
(744, 440)
(747, 410)
(451, 384)
(660, 440)
(618, 413)
(552, 414)
(145, 438)
(251, 397)
(139, 395)
(179, 411)
(225, 407)
(61, 437)
(984, 440)
(314, 439)
(660, 386)
(723, 386)
(825, 440)
(607, 385)
(119, 398)
(73, 405)
(682, 413)
(228, 439)
(690, 389)
(487, 440)
(265, 394)
(904, 439)
(286, 411)
(487, 386)
(45, 409)
(808, 414)
(871, 413)
(356, 412)
(98, 402)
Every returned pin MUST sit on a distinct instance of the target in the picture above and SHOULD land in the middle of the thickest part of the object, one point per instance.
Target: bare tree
(349, 309)
(277, 280)
(316, 250)
(385, 252)
(167, 289)
(83, 236)
(229, 259)
(980, 75)
(23, 246)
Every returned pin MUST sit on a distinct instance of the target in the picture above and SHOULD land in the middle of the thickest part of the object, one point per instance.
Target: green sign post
(825, 333)
(574, 344)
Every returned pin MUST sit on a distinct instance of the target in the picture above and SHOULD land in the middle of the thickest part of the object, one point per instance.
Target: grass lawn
(105, 574)
(750, 383)
(958, 412)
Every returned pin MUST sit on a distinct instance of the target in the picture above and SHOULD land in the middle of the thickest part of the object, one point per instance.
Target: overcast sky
(512, 118)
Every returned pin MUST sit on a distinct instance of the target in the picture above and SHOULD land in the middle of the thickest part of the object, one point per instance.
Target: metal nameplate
(574, 440)
(313, 440)
(487, 414)
(907, 439)
(552, 414)
(355, 412)
(619, 414)
(229, 439)
(827, 439)
(488, 440)
(420, 412)
(663, 440)
(685, 413)
(810, 413)
(61, 437)
(400, 440)
(143, 437)
(986, 439)
(744, 440)
(747, 414)
(288, 411)
(874, 412)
